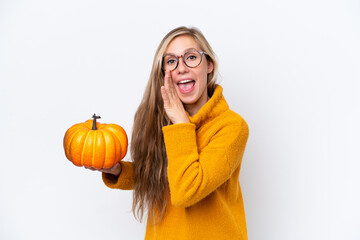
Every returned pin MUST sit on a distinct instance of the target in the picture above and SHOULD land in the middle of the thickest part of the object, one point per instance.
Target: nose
(181, 66)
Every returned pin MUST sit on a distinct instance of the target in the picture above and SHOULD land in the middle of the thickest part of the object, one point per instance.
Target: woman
(186, 146)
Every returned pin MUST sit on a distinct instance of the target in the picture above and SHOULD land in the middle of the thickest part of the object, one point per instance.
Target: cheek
(172, 75)
(203, 77)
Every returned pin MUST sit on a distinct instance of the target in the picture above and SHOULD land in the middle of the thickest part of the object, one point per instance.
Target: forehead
(181, 44)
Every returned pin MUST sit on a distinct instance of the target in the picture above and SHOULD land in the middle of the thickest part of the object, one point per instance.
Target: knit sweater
(204, 159)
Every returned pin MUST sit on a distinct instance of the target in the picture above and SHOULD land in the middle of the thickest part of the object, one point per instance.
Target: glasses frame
(183, 58)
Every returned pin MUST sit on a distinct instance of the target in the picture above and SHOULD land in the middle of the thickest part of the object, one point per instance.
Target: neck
(192, 109)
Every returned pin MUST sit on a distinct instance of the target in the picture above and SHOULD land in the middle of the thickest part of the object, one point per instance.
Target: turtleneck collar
(211, 109)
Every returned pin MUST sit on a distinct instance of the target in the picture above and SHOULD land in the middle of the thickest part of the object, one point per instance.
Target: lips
(186, 86)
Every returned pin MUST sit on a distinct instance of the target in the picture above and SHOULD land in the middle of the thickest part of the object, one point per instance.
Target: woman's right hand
(173, 106)
(114, 170)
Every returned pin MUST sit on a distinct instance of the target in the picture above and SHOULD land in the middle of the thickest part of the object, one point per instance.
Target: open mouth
(186, 86)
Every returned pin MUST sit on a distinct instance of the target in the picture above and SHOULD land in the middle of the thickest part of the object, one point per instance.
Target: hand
(114, 170)
(173, 106)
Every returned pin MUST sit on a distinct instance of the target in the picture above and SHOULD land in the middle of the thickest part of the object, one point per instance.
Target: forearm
(194, 173)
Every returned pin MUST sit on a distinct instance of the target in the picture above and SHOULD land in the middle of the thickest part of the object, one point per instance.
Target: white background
(290, 68)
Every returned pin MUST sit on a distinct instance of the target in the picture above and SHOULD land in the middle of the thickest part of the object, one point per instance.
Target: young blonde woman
(186, 147)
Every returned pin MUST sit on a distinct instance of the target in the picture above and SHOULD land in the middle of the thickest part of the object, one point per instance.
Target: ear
(210, 67)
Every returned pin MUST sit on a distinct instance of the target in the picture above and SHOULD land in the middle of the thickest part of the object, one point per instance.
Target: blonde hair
(148, 152)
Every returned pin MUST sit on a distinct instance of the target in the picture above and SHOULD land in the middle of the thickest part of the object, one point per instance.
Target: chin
(188, 101)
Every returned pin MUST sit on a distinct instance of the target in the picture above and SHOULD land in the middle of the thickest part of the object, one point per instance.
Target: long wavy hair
(151, 188)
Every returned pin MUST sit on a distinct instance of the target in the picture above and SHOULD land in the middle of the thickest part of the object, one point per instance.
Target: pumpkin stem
(94, 121)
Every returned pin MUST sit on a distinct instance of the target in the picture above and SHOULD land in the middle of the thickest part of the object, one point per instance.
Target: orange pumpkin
(96, 145)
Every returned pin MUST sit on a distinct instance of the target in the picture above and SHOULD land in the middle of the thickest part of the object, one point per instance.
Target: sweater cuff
(124, 181)
(177, 133)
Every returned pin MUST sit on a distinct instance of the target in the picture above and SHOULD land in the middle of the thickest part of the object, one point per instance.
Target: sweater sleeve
(126, 179)
(193, 175)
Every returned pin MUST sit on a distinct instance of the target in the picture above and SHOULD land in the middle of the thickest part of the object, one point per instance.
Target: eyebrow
(186, 50)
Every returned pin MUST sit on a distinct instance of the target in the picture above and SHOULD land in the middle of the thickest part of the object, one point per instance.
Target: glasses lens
(192, 58)
(169, 62)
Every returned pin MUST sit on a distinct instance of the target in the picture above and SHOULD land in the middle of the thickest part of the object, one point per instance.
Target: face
(190, 83)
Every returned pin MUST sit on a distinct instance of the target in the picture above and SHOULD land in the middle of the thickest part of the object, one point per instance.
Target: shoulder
(232, 120)
(228, 127)
(228, 117)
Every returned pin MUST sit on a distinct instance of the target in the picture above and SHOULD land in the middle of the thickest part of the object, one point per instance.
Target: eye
(192, 56)
(170, 60)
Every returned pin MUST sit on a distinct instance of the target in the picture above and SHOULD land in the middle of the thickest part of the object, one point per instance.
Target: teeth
(185, 81)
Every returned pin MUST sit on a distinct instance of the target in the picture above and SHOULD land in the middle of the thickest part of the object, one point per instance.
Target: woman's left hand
(174, 108)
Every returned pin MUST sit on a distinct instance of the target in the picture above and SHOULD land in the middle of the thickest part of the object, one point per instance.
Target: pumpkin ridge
(117, 149)
(103, 137)
(121, 136)
(83, 149)
(107, 150)
(93, 148)
(69, 132)
(120, 144)
(77, 145)
(69, 140)
(88, 124)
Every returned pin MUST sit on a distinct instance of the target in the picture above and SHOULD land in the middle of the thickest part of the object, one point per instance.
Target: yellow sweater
(204, 159)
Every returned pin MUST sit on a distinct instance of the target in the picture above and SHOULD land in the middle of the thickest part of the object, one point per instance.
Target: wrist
(117, 171)
(182, 120)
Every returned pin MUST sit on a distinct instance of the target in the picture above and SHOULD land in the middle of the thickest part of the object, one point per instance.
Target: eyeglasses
(191, 59)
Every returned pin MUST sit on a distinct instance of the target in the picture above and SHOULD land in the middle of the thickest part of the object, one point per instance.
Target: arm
(194, 175)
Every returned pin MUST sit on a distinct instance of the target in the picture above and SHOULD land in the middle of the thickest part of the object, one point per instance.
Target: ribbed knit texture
(204, 159)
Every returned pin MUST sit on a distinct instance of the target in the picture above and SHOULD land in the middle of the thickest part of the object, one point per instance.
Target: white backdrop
(290, 68)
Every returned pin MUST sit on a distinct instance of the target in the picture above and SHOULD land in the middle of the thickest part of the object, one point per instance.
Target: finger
(164, 96)
(168, 93)
(167, 78)
(170, 87)
(165, 86)
(115, 170)
(90, 168)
